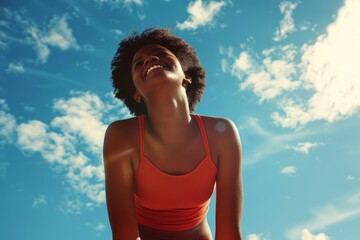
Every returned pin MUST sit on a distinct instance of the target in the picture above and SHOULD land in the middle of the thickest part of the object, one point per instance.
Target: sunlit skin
(173, 143)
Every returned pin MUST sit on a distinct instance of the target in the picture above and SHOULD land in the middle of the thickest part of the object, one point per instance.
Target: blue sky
(286, 72)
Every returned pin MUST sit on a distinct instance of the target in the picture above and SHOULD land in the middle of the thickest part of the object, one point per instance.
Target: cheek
(182, 69)
(135, 78)
(182, 66)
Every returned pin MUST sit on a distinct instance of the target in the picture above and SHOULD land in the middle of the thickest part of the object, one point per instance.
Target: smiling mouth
(153, 68)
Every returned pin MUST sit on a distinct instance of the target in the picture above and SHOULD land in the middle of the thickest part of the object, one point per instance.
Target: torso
(194, 153)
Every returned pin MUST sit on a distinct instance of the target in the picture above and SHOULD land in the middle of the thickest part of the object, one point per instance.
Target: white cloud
(254, 236)
(304, 147)
(40, 200)
(3, 36)
(137, 2)
(330, 69)
(308, 26)
(200, 14)
(85, 65)
(307, 235)
(224, 65)
(4, 105)
(141, 15)
(117, 3)
(287, 24)
(41, 49)
(29, 108)
(288, 170)
(350, 178)
(270, 77)
(327, 71)
(59, 34)
(98, 227)
(34, 136)
(118, 32)
(7, 124)
(72, 143)
(82, 116)
(55, 33)
(71, 206)
(15, 67)
(243, 63)
(327, 215)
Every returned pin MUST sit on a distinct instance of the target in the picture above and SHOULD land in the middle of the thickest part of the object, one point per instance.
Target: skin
(169, 129)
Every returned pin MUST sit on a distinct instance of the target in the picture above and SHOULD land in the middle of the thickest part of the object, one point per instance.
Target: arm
(229, 196)
(119, 178)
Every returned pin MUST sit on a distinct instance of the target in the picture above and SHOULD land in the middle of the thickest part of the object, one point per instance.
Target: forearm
(125, 236)
(229, 236)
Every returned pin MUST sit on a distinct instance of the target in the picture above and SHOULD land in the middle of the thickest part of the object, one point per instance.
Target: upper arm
(119, 180)
(229, 194)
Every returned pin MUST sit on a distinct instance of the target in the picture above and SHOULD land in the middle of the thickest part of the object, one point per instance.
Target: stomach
(200, 232)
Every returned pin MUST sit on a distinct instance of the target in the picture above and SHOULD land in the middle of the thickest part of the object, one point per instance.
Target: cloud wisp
(304, 147)
(55, 33)
(15, 67)
(7, 123)
(271, 143)
(307, 235)
(117, 3)
(255, 236)
(330, 214)
(289, 170)
(40, 200)
(287, 24)
(201, 14)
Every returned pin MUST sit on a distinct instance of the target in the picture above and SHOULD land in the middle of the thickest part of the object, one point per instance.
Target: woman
(161, 167)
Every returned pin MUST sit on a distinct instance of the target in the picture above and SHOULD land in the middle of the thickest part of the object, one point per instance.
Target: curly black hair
(121, 66)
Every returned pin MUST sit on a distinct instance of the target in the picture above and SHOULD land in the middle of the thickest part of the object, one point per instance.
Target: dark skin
(169, 129)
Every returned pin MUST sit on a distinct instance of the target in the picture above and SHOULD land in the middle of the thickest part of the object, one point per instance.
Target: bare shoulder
(121, 138)
(125, 126)
(223, 137)
(219, 127)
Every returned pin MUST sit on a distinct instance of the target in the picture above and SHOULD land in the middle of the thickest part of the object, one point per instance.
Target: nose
(150, 59)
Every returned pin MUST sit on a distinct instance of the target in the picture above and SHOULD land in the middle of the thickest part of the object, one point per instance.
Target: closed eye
(162, 53)
(137, 64)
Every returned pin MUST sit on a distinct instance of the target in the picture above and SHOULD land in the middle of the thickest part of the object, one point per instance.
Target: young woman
(163, 165)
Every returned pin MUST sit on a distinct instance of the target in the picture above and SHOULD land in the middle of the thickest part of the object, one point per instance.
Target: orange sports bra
(173, 202)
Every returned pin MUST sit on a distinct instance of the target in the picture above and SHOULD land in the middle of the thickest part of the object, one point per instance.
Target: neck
(168, 119)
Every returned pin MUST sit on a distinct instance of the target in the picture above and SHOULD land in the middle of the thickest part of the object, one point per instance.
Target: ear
(186, 81)
(137, 96)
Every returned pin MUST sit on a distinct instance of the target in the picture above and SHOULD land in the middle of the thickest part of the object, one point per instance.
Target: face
(155, 64)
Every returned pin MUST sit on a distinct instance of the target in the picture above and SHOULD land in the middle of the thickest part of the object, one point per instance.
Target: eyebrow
(153, 51)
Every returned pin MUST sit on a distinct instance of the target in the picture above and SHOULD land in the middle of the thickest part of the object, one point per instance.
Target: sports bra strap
(203, 134)
(141, 131)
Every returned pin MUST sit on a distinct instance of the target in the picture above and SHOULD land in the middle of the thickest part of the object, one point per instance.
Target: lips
(151, 68)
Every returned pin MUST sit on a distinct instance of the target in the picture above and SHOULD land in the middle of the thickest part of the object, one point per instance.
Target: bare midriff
(200, 232)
